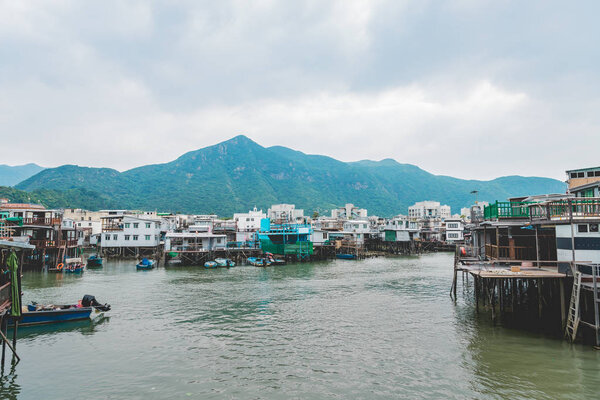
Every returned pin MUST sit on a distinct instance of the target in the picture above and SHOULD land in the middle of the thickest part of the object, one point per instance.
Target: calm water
(379, 328)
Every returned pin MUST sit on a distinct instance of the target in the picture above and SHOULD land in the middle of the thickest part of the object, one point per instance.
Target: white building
(250, 221)
(349, 211)
(429, 209)
(285, 213)
(130, 231)
(194, 241)
(454, 230)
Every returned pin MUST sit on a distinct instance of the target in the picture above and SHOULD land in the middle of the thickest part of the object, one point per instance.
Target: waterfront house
(128, 235)
(349, 211)
(454, 230)
(188, 242)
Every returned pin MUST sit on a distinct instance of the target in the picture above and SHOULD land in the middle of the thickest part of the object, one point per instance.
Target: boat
(258, 262)
(37, 314)
(346, 256)
(74, 265)
(211, 264)
(275, 261)
(94, 261)
(224, 262)
(145, 264)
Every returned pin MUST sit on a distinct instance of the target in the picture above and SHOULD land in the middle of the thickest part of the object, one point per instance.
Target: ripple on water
(378, 328)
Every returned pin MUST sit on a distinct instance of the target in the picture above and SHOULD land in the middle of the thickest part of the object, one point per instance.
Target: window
(156, 237)
(573, 174)
(597, 173)
(127, 237)
(582, 228)
(106, 237)
(147, 237)
(147, 224)
(581, 175)
(593, 227)
(136, 225)
(115, 237)
(590, 174)
(135, 237)
(127, 225)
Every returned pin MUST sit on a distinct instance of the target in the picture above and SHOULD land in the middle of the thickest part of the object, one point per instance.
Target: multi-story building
(349, 211)
(128, 235)
(429, 209)
(285, 214)
(454, 230)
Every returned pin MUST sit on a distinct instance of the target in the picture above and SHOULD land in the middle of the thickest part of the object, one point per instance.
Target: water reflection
(9, 388)
(85, 327)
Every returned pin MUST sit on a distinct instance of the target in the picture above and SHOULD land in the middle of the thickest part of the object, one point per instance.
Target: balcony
(507, 209)
(42, 221)
(560, 210)
(43, 244)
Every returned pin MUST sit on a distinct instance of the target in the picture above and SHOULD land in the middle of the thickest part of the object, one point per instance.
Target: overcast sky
(468, 88)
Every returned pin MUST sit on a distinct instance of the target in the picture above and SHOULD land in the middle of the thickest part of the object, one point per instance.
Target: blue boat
(258, 262)
(211, 264)
(346, 256)
(94, 261)
(224, 262)
(38, 314)
(145, 264)
(74, 266)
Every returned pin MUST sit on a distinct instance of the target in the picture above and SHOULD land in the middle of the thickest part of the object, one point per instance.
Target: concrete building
(349, 211)
(429, 209)
(285, 214)
(250, 221)
(454, 230)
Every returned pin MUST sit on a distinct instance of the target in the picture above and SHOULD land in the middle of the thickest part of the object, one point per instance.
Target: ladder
(574, 318)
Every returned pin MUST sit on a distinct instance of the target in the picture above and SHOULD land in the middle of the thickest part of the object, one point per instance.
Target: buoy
(463, 251)
(59, 266)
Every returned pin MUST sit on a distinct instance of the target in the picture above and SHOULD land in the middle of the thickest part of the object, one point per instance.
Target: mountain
(237, 174)
(10, 175)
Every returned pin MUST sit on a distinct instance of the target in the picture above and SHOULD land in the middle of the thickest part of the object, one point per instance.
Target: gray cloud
(474, 89)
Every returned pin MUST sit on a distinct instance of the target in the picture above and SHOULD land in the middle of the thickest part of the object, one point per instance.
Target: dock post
(539, 290)
(15, 334)
(3, 328)
(476, 280)
(563, 316)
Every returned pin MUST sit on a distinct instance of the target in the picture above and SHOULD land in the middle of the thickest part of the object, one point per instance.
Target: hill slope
(237, 174)
(11, 175)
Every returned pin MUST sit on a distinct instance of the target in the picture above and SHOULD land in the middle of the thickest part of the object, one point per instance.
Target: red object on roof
(21, 206)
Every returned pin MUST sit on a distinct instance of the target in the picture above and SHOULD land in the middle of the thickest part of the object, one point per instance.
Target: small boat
(37, 314)
(275, 261)
(258, 262)
(94, 261)
(346, 256)
(74, 266)
(211, 264)
(224, 262)
(145, 264)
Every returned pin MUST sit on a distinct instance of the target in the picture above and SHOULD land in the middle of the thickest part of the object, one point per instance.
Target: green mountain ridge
(238, 174)
(11, 175)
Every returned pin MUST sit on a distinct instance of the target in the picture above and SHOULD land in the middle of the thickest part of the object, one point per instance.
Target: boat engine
(90, 301)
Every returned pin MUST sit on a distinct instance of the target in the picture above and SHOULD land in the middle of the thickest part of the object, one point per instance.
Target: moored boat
(273, 260)
(145, 264)
(211, 264)
(94, 261)
(224, 262)
(37, 314)
(74, 265)
(346, 256)
(258, 262)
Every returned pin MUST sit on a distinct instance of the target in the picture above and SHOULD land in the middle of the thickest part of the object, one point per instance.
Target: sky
(468, 88)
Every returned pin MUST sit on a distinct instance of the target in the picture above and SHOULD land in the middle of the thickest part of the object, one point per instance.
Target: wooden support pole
(476, 279)
(5, 339)
(539, 293)
(3, 324)
(563, 315)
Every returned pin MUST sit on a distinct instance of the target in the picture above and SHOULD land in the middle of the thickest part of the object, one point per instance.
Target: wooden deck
(492, 270)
